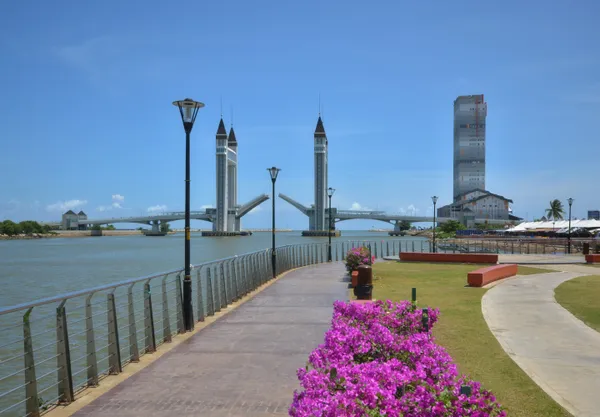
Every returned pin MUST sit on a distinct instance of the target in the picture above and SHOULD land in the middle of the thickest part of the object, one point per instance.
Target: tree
(10, 228)
(556, 210)
(96, 227)
(451, 226)
(404, 225)
(164, 227)
(29, 226)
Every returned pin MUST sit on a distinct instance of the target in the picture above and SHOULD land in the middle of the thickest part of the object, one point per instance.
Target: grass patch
(463, 331)
(580, 296)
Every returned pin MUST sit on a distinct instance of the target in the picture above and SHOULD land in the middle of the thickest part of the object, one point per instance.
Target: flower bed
(358, 256)
(380, 359)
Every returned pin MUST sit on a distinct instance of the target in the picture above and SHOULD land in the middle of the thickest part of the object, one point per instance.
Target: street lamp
(330, 193)
(273, 172)
(434, 199)
(188, 109)
(570, 200)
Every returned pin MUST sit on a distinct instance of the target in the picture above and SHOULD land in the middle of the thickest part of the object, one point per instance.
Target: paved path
(558, 351)
(244, 364)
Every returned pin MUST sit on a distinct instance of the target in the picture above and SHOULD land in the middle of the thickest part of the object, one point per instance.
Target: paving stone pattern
(243, 364)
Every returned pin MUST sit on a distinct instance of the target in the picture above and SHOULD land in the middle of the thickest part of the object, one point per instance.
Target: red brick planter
(484, 276)
(472, 258)
(354, 276)
(592, 259)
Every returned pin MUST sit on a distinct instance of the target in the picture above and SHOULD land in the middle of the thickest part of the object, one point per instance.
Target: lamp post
(273, 172)
(434, 199)
(330, 192)
(570, 200)
(188, 109)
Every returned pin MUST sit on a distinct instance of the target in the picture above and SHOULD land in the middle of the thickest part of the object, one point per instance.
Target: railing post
(336, 252)
(179, 306)
(165, 314)
(217, 287)
(223, 285)
(210, 301)
(199, 292)
(92, 363)
(133, 343)
(387, 248)
(243, 275)
(65, 377)
(32, 407)
(253, 269)
(114, 351)
(149, 320)
(236, 284)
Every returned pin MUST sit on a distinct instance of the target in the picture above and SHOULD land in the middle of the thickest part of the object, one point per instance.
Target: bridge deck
(243, 364)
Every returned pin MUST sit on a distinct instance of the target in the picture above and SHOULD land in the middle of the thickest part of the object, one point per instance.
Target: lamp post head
(570, 201)
(330, 192)
(273, 172)
(188, 109)
(434, 199)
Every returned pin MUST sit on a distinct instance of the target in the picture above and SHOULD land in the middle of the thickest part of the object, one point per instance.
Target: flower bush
(358, 256)
(378, 360)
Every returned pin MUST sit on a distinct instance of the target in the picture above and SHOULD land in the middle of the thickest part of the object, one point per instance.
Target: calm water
(33, 269)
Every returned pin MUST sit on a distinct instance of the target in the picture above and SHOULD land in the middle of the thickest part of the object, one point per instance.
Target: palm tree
(555, 212)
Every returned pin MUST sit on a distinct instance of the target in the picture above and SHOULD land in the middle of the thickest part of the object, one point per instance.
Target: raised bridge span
(392, 218)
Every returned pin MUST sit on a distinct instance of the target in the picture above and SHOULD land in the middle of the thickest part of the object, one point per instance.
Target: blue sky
(87, 121)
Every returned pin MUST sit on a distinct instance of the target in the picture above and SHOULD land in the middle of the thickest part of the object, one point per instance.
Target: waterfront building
(71, 220)
(480, 204)
(593, 215)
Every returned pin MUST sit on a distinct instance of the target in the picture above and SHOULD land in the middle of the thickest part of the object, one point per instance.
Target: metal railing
(517, 246)
(52, 348)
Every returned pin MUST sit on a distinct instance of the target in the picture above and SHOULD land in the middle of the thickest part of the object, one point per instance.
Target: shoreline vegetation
(105, 232)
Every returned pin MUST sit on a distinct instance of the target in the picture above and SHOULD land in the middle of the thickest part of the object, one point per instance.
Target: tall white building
(469, 144)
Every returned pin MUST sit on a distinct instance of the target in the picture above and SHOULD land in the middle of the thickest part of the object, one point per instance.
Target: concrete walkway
(245, 363)
(558, 351)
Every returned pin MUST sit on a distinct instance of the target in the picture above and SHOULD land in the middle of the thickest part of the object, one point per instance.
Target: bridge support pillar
(155, 226)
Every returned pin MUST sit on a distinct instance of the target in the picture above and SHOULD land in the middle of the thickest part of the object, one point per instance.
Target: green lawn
(580, 296)
(463, 331)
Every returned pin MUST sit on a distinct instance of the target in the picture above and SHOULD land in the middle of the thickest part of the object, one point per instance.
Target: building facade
(470, 114)
(320, 206)
(479, 204)
(593, 215)
(74, 221)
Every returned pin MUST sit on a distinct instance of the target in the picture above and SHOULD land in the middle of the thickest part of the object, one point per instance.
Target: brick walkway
(244, 364)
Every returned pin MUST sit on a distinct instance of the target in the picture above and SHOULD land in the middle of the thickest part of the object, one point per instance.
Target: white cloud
(157, 208)
(411, 210)
(357, 206)
(63, 206)
(117, 199)
(206, 206)
(255, 210)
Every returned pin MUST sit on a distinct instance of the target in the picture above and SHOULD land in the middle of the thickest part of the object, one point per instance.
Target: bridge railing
(51, 349)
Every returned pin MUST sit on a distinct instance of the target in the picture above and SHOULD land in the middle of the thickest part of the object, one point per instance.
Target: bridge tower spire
(233, 224)
(220, 224)
(321, 180)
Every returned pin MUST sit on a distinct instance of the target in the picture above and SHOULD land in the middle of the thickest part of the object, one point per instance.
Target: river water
(34, 269)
